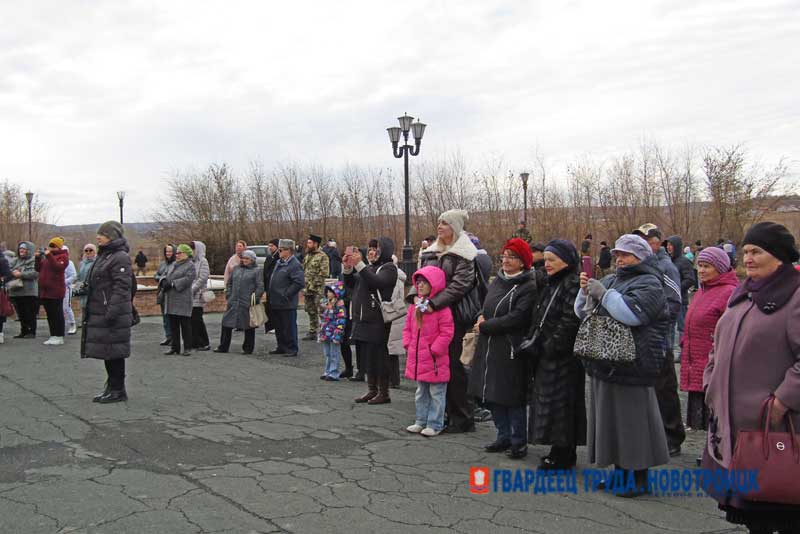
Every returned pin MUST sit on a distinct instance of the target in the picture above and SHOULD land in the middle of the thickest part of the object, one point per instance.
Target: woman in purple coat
(756, 355)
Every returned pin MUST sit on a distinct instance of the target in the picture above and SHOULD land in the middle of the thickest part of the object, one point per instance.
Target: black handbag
(467, 310)
(528, 345)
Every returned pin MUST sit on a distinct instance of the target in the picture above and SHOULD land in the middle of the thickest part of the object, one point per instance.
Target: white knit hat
(456, 219)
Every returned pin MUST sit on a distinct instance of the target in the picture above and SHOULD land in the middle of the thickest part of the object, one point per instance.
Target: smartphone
(349, 251)
(587, 266)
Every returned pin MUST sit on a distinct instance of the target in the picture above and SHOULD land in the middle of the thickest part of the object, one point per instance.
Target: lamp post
(524, 176)
(121, 197)
(418, 129)
(29, 198)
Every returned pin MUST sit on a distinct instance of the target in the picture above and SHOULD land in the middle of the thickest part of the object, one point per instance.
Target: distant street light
(29, 198)
(418, 129)
(121, 197)
(524, 176)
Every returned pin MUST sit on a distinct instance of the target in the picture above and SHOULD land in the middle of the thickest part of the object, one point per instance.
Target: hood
(31, 248)
(677, 246)
(164, 253)
(434, 275)
(725, 279)
(401, 275)
(199, 251)
(337, 288)
(387, 250)
(462, 247)
(117, 244)
(648, 266)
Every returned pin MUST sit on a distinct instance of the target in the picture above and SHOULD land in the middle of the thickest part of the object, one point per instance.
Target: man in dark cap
(317, 268)
(669, 404)
(269, 267)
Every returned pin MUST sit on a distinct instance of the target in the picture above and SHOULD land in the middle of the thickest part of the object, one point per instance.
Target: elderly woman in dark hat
(245, 284)
(624, 424)
(557, 415)
(756, 358)
(499, 376)
(108, 314)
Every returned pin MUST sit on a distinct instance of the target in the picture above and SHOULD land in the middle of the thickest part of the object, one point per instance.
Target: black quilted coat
(557, 413)
(108, 315)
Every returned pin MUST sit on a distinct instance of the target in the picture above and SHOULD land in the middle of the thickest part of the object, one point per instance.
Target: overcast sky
(101, 96)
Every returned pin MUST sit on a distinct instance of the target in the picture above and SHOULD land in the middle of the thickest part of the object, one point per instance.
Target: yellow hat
(57, 241)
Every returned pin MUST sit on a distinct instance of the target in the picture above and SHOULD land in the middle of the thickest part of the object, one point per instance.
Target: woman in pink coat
(717, 282)
(426, 337)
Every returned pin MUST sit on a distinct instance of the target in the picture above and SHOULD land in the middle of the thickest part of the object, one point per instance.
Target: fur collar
(462, 247)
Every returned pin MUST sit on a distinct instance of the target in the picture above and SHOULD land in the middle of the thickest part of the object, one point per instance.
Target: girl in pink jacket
(426, 338)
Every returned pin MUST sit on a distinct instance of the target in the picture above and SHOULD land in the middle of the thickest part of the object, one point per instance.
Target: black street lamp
(29, 198)
(121, 197)
(524, 176)
(418, 129)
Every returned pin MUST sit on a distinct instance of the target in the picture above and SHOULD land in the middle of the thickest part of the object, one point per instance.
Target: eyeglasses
(179, 252)
(88, 250)
(509, 257)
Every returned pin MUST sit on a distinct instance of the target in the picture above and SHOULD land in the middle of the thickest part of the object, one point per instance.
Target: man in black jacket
(674, 246)
(269, 266)
(604, 261)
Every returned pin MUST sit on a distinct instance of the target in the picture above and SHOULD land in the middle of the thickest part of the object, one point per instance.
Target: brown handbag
(776, 457)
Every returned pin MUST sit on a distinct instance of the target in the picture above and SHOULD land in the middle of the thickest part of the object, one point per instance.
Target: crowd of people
(545, 320)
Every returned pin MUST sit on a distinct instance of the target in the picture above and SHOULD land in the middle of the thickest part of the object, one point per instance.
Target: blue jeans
(332, 351)
(429, 401)
(165, 321)
(511, 423)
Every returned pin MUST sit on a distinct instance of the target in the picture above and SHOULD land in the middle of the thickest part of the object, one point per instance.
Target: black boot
(358, 377)
(101, 395)
(347, 373)
(166, 342)
(113, 395)
(640, 479)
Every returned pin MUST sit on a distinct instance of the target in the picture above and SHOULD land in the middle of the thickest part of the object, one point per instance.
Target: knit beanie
(274, 242)
(186, 249)
(249, 254)
(521, 249)
(57, 241)
(456, 219)
(564, 250)
(775, 239)
(716, 257)
(111, 229)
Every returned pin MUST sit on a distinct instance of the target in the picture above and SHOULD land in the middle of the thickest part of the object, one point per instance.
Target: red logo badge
(479, 480)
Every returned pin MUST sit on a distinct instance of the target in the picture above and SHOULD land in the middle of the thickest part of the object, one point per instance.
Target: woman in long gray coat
(108, 315)
(756, 357)
(625, 426)
(177, 290)
(245, 281)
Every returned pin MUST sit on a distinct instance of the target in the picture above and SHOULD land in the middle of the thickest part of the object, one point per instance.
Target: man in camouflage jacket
(522, 233)
(317, 268)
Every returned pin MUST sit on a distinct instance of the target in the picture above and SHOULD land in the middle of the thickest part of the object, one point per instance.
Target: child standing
(426, 337)
(332, 321)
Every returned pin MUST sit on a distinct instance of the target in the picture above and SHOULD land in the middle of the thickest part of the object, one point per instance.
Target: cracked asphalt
(228, 443)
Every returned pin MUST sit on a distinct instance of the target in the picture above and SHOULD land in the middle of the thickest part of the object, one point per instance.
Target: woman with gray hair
(245, 282)
(624, 423)
(84, 268)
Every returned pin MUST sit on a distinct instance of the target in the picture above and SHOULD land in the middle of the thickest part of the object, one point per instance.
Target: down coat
(428, 357)
(706, 308)
(30, 276)
(498, 375)
(243, 282)
(107, 319)
(368, 284)
(51, 269)
(202, 272)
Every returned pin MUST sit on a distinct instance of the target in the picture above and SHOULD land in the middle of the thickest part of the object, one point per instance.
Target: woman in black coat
(499, 375)
(369, 283)
(557, 415)
(107, 323)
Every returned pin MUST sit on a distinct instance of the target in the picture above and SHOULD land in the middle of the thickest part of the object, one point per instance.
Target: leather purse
(776, 457)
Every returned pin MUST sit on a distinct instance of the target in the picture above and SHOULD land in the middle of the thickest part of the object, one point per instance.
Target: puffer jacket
(161, 272)
(27, 267)
(369, 283)
(332, 314)
(427, 346)
(498, 374)
(708, 305)
(51, 269)
(641, 289)
(178, 288)
(202, 273)
(458, 264)
(107, 319)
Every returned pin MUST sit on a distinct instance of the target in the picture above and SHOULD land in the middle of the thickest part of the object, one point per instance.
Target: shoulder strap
(547, 310)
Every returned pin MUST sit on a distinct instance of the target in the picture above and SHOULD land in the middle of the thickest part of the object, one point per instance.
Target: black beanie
(274, 242)
(775, 239)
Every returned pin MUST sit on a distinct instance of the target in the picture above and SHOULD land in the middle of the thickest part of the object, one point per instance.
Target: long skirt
(625, 427)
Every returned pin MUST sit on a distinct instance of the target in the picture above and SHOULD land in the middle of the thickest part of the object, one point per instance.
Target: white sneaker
(49, 341)
(72, 329)
(429, 432)
(2, 338)
(414, 429)
(58, 341)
